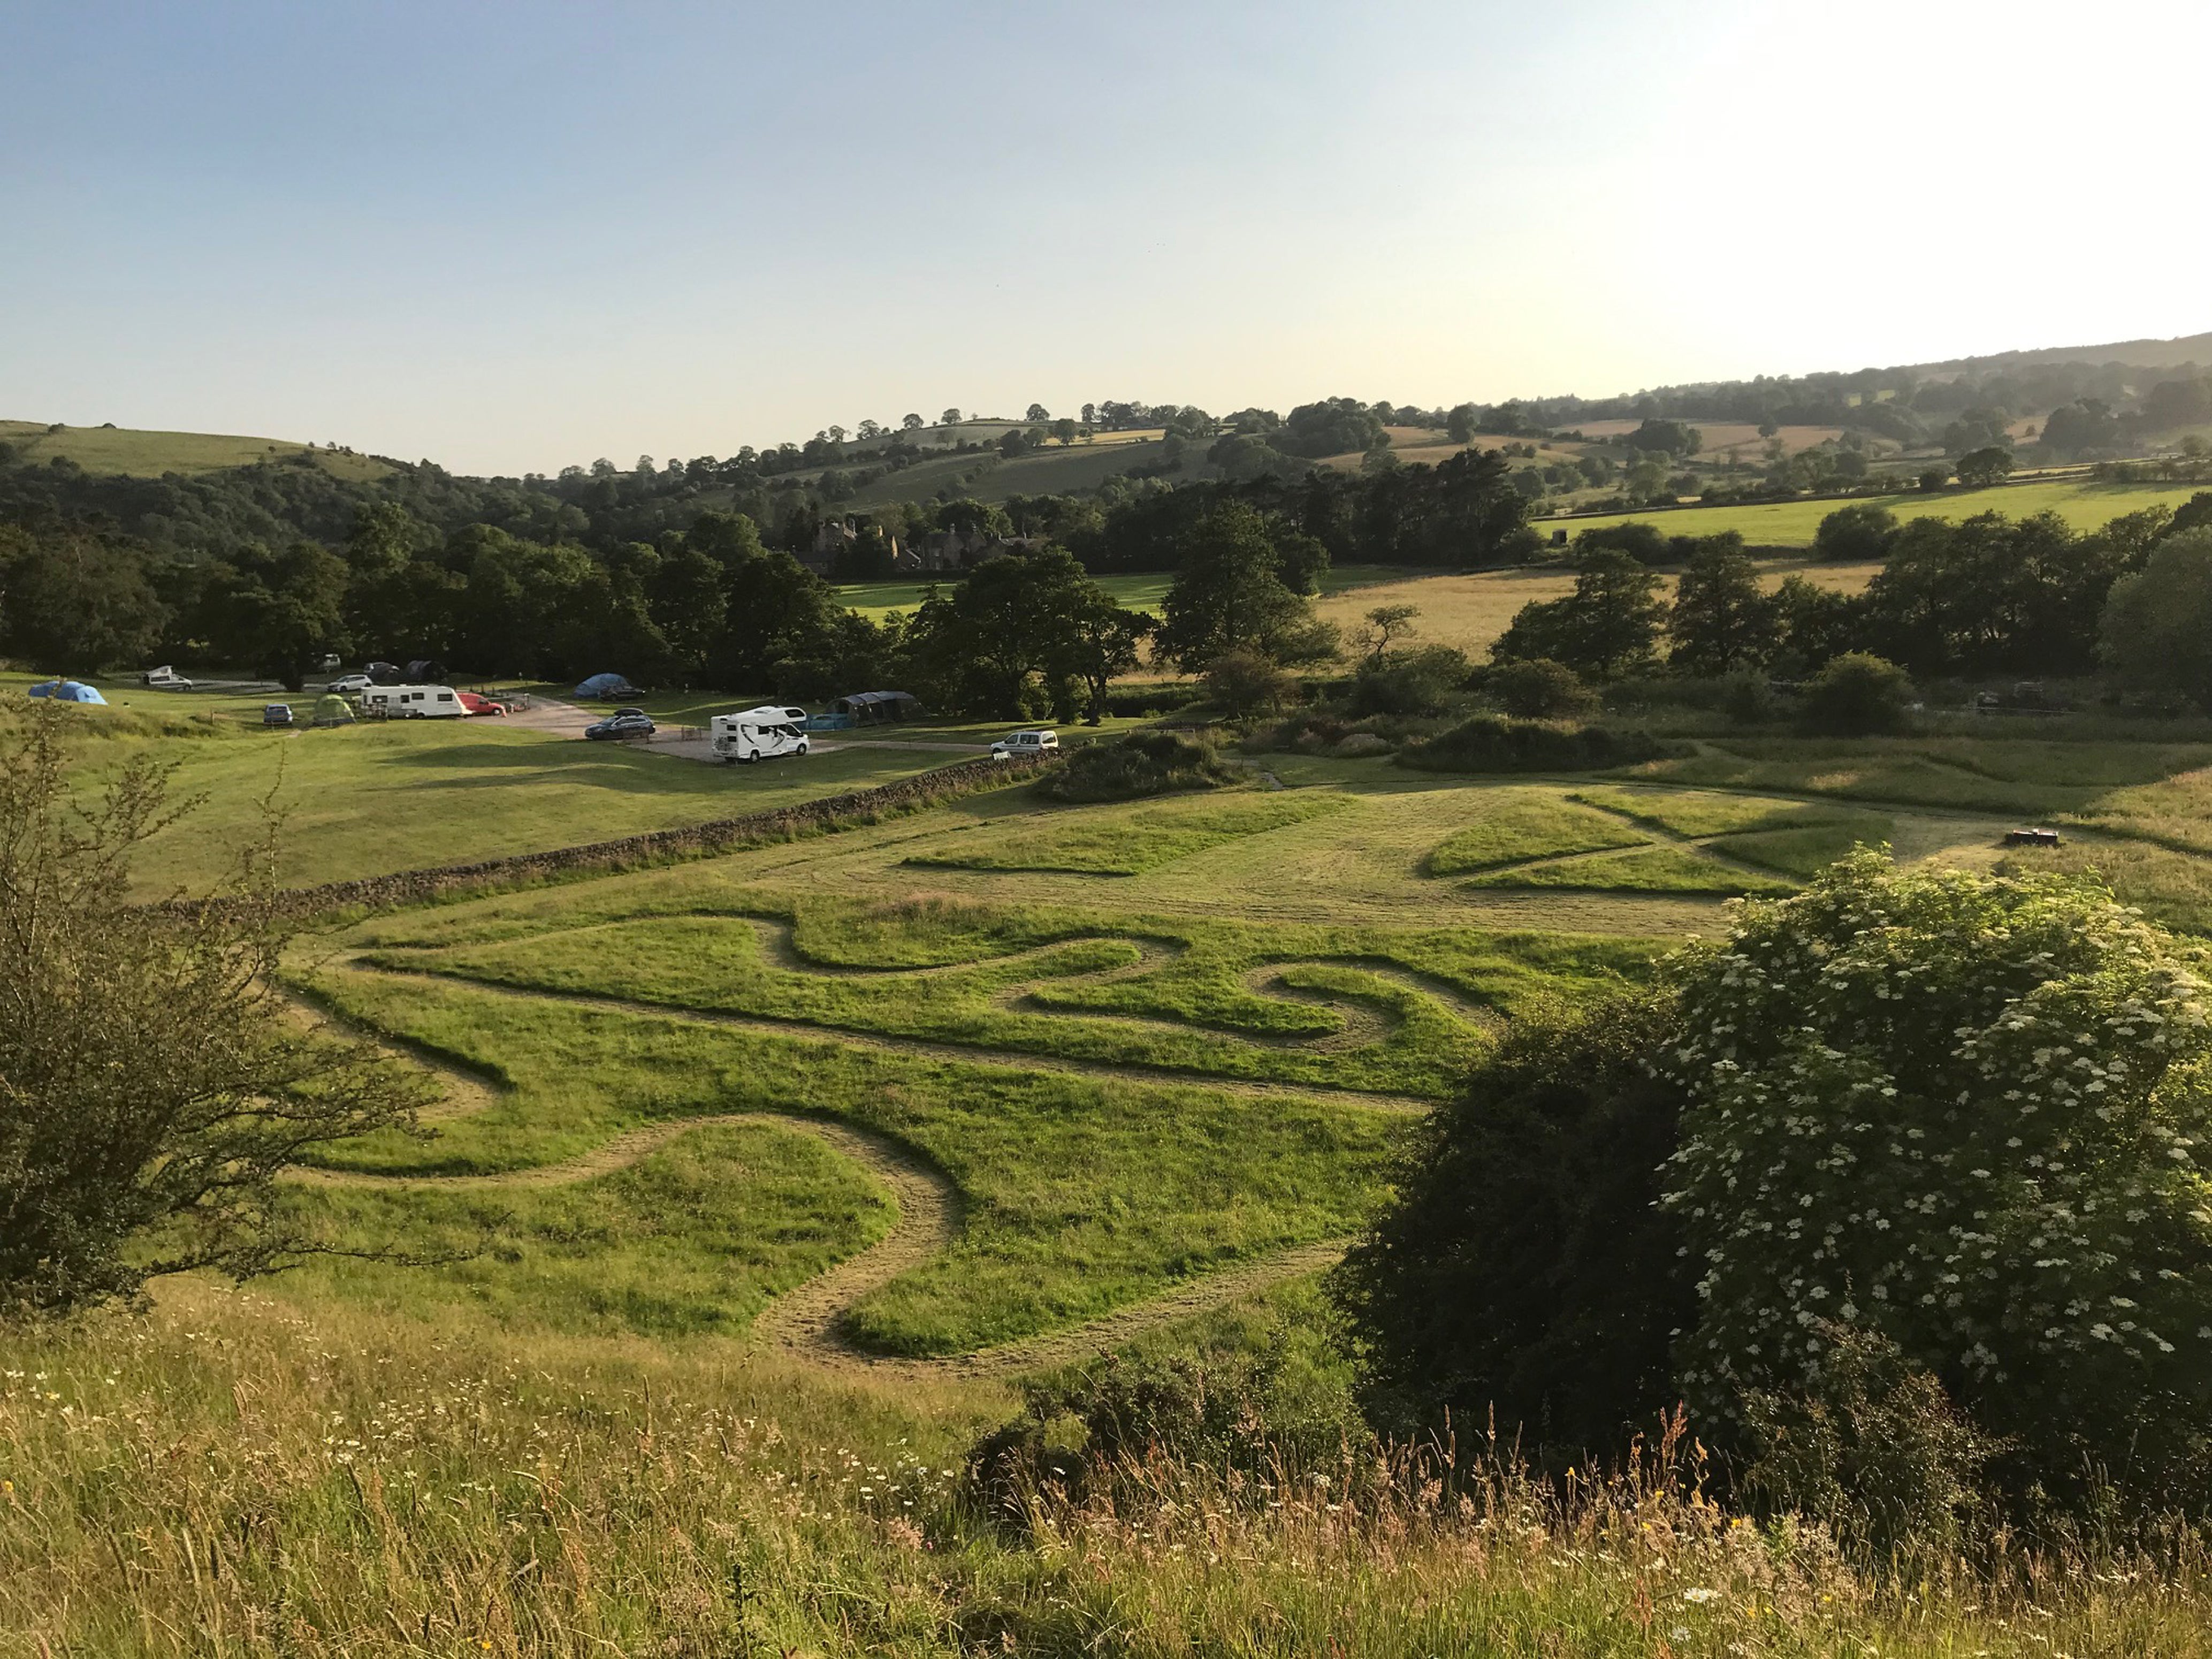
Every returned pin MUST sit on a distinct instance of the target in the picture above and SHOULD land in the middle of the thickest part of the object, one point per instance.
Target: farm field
(2083, 504)
(1471, 611)
(149, 454)
(1141, 591)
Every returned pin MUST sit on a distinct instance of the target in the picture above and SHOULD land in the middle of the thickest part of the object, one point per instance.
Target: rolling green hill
(126, 452)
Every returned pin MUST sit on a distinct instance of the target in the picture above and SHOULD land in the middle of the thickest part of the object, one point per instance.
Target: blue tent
(603, 685)
(66, 691)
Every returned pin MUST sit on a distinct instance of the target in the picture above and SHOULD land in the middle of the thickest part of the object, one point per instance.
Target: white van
(753, 734)
(412, 702)
(1017, 743)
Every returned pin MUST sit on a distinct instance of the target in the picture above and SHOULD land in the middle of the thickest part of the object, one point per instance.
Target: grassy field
(149, 454)
(1470, 611)
(758, 1178)
(2083, 504)
(369, 798)
(1140, 592)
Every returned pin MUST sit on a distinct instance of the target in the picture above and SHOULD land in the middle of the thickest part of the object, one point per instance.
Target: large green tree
(1023, 632)
(1609, 623)
(2156, 635)
(74, 602)
(1722, 620)
(1230, 595)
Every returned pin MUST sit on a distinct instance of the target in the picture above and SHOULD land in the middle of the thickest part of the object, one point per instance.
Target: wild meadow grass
(229, 1477)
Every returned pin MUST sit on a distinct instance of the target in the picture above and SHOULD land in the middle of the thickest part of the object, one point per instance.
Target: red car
(477, 704)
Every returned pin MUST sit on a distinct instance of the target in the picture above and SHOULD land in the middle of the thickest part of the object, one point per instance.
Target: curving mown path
(807, 1323)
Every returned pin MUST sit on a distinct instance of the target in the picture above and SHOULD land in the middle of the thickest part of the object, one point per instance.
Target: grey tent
(865, 707)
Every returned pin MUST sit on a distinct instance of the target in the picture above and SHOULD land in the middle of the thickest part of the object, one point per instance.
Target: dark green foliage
(1418, 682)
(1608, 625)
(1499, 742)
(1991, 595)
(1721, 619)
(1335, 425)
(1856, 533)
(2156, 635)
(1644, 543)
(1525, 1269)
(1536, 688)
(1141, 764)
(1870, 1447)
(1230, 596)
(1858, 695)
(1023, 632)
(74, 603)
(1991, 464)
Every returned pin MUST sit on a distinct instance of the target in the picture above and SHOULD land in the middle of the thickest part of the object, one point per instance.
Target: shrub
(1241, 682)
(1856, 533)
(1748, 698)
(1420, 682)
(1644, 543)
(1857, 694)
(1496, 743)
(1538, 688)
(1963, 1112)
(1524, 1267)
(1141, 764)
(152, 1085)
(1871, 1448)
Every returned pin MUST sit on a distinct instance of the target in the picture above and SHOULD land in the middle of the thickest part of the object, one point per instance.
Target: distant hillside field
(2083, 504)
(126, 452)
(1142, 591)
(1470, 611)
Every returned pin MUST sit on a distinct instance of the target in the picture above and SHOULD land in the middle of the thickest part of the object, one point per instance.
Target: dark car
(630, 723)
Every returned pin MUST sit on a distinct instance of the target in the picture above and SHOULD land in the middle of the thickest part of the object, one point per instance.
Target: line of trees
(1989, 596)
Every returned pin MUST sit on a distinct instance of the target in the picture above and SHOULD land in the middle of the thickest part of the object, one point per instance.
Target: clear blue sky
(510, 237)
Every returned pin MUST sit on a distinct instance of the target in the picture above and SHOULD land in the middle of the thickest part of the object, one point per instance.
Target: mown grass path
(809, 1323)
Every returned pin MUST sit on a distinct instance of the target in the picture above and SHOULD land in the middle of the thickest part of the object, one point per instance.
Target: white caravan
(412, 702)
(762, 734)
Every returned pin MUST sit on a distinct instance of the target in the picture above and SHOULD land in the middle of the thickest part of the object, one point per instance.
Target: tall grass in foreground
(224, 1478)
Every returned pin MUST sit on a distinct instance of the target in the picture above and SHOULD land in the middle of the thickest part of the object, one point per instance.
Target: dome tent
(67, 691)
(332, 710)
(605, 685)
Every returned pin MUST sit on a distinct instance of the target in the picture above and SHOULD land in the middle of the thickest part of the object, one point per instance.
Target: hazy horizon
(516, 239)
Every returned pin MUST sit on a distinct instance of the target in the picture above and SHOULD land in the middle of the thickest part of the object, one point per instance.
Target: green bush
(1422, 682)
(1965, 1114)
(1141, 764)
(1525, 1269)
(1498, 742)
(1858, 695)
(1538, 688)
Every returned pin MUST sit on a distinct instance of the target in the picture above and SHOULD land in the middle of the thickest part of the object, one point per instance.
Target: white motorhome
(412, 702)
(753, 734)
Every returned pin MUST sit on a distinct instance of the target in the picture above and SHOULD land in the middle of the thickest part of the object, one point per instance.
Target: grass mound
(1499, 742)
(1650, 870)
(1142, 763)
(1523, 824)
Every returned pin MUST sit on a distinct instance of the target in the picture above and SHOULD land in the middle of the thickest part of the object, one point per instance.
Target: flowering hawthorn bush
(1971, 1115)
